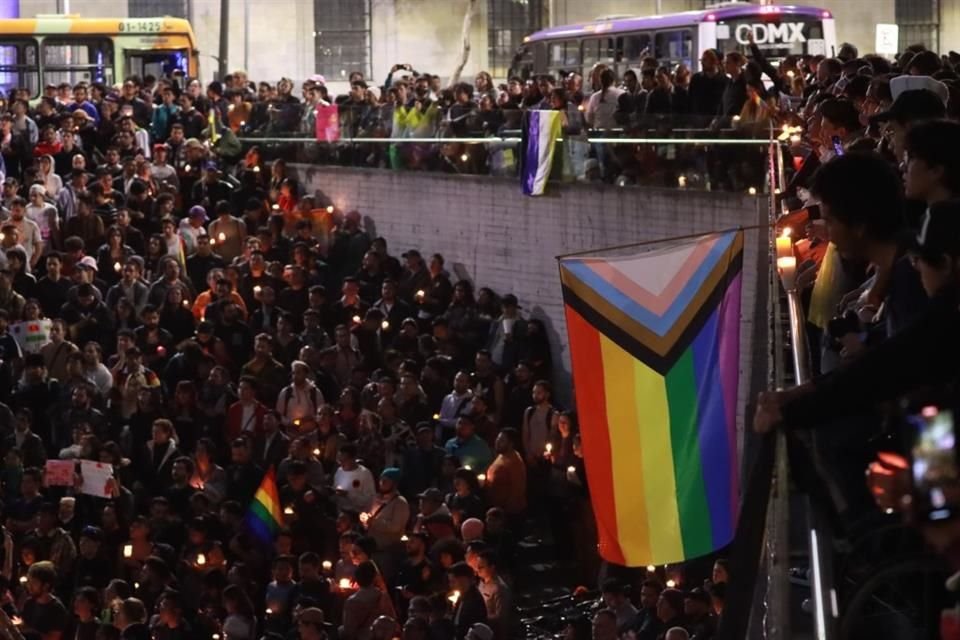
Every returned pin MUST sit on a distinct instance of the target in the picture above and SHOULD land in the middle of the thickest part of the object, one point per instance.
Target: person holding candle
(506, 484)
(388, 519)
(469, 607)
(229, 231)
(365, 605)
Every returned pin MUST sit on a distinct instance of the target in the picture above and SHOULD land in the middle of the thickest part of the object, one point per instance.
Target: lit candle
(651, 568)
(269, 611)
(790, 73)
(344, 583)
(330, 209)
(23, 579)
(795, 139)
(404, 538)
(420, 294)
(682, 182)
(356, 319)
(327, 565)
(787, 266)
(288, 510)
(16, 620)
(186, 168)
(467, 467)
(436, 416)
(784, 244)
(316, 452)
(384, 325)
(549, 449)
(127, 550)
(275, 207)
(296, 422)
(464, 158)
(161, 351)
(213, 241)
(481, 478)
(257, 289)
(571, 469)
(136, 585)
(736, 118)
(186, 303)
(752, 191)
(671, 584)
(221, 236)
(201, 559)
(256, 169)
(215, 636)
(117, 266)
(454, 597)
(364, 518)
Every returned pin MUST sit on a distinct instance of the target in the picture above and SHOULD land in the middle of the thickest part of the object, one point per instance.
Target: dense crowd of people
(176, 308)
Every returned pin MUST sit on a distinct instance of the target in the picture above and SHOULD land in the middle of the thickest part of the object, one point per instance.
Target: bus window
(158, 63)
(599, 50)
(564, 55)
(18, 67)
(794, 35)
(522, 65)
(674, 46)
(75, 60)
(635, 47)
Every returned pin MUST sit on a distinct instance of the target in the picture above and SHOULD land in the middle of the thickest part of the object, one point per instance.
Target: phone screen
(936, 479)
(837, 145)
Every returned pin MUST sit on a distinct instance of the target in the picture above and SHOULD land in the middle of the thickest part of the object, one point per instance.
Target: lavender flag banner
(540, 140)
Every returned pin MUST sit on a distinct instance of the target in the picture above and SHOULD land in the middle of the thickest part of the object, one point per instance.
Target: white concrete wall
(494, 236)
(86, 8)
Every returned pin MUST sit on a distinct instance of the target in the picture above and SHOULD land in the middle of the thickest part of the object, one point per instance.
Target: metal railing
(820, 538)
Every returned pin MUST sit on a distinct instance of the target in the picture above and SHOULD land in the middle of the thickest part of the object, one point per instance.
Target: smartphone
(934, 469)
(837, 145)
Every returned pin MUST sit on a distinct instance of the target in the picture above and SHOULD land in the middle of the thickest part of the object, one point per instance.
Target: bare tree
(465, 51)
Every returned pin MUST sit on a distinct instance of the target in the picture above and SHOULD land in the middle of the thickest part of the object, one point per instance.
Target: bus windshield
(793, 35)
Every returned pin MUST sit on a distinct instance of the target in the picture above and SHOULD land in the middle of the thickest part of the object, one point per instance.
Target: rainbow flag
(264, 515)
(654, 343)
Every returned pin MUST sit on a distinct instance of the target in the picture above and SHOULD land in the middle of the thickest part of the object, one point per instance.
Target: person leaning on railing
(925, 353)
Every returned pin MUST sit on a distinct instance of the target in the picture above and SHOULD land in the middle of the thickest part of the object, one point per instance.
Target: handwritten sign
(96, 478)
(59, 473)
(31, 335)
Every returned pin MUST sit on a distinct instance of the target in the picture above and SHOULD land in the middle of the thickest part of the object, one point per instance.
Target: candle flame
(128, 548)
(201, 559)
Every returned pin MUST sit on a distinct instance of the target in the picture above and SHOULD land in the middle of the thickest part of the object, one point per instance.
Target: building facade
(299, 38)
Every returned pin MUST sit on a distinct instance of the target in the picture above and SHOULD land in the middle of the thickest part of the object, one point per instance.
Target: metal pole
(246, 35)
(224, 38)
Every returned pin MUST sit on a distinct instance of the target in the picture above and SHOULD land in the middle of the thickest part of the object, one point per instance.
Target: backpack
(288, 395)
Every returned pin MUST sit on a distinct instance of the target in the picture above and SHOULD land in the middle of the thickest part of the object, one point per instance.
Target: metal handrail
(508, 140)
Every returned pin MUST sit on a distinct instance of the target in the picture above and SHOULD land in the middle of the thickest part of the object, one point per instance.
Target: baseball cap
(88, 262)
(161, 146)
(311, 615)
(480, 631)
(211, 165)
(432, 494)
(91, 532)
(912, 106)
(196, 211)
(940, 230)
(510, 300)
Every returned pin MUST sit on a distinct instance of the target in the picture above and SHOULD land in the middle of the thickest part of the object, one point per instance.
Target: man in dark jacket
(470, 607)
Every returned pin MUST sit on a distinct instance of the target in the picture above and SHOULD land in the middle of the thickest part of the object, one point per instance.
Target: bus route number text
(140, 26)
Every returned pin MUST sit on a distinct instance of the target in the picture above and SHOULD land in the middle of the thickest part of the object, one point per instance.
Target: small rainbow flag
(264, 515)
(654, 343)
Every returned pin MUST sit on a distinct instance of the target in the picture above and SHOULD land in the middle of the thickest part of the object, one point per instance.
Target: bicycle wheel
(900, 600)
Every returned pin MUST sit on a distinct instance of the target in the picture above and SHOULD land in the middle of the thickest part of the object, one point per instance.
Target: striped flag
(539, 141)
(654, 343)
(264, 515)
